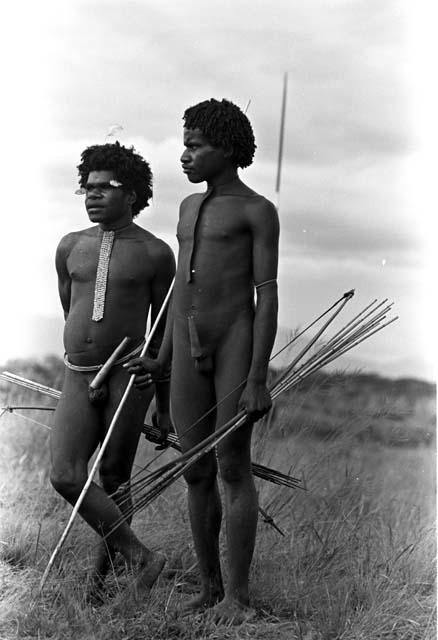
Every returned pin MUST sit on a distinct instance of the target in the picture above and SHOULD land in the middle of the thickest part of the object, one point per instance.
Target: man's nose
(184, 157)
(94, 192)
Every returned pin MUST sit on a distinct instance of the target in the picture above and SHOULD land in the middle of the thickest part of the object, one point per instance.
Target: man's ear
(132, 197)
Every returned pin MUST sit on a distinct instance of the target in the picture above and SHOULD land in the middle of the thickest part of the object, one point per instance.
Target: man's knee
(202, 475)
(234, 457)
(234, 472)
(112, 477)
(67, 482)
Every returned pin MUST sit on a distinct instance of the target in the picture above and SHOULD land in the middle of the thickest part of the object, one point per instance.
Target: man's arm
(164, 274)
(64, 280)
(149, 369)
(160, 286)
(265, 231)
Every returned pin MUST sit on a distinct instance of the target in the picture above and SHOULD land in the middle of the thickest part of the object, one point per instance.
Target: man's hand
(145, 369)
(163, 422)
(256, 400)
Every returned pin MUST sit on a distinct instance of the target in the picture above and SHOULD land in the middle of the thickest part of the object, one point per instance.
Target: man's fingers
(144, 365)
(133, 368)
(163, 444)
(142, 381)
(256, 414)
(164, 428)
(133, 362)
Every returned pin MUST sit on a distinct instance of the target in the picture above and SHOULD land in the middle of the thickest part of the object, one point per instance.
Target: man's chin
(95, 219)
(96, 215)
(194, 179)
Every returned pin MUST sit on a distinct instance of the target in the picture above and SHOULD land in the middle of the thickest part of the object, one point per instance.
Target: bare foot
(147, 575)
(231, 612)
(140, 585)
(201, 602)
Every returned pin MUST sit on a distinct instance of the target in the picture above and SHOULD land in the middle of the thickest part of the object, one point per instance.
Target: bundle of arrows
(317, 353)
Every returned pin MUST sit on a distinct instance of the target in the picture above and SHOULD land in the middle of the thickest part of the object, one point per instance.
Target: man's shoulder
(156, 246)
(250, 199)
(71, 238)
(256, 202)
(161, 249)
(260, 200)
(76, 235)
(261, 214)
(161, 257)
(191, 200)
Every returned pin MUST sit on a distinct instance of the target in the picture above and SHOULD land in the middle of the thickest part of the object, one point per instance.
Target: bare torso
(132, 268)
(215, 264)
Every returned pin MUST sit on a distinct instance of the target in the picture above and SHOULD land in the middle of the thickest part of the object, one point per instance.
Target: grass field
(357, 560)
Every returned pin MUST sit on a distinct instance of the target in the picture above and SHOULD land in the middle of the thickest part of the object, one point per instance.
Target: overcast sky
(353, 208)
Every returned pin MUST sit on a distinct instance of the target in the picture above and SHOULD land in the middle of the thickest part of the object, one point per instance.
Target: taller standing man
(109, 275)
(222, 340)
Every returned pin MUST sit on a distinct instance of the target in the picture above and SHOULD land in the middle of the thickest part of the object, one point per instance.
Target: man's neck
(120, 225)
(224, 182)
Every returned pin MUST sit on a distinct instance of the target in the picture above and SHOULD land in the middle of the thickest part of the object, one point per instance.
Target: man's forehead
(100, 176)
(190, 135)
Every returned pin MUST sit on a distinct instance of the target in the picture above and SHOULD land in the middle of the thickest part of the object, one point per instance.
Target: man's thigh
(192, 392)
(76, 429)
(122, 446)
(233, 360)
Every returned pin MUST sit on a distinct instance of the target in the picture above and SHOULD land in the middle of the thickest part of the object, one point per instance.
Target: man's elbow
(267, 297)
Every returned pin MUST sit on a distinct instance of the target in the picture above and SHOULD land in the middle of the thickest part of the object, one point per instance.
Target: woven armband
(265, 283)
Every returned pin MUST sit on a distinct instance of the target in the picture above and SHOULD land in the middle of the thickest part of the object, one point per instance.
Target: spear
(280, 144)
(103, 445)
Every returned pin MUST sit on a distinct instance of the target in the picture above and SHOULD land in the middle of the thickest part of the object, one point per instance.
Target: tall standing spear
(103, 445)
(280, 144)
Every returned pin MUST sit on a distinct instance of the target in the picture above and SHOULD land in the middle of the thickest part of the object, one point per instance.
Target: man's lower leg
(205, 517)
(241, 525)
(146, 564)
(106, 554)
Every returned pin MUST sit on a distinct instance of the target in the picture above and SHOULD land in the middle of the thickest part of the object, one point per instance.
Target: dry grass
(357, 561)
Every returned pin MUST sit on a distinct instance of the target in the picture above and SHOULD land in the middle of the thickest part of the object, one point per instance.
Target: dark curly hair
(224, 125)
(128, 167)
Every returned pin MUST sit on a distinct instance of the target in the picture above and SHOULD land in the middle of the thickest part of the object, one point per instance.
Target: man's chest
(211, 222)
(125, 261)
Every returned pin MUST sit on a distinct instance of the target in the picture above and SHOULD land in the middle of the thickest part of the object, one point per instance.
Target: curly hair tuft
(225, 125)
(128, 167)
